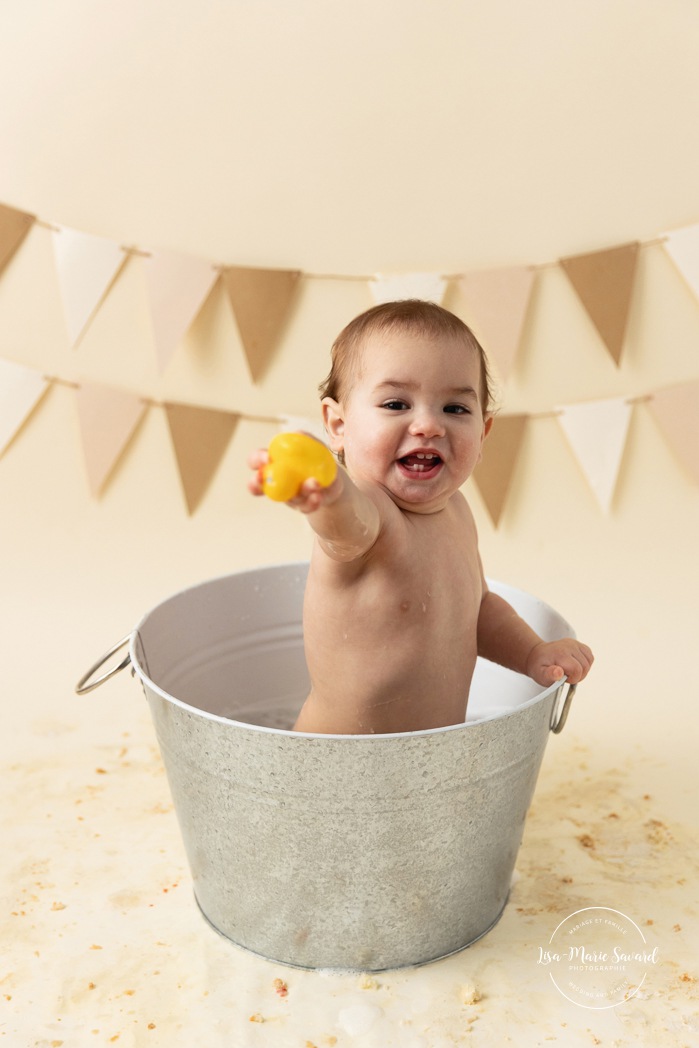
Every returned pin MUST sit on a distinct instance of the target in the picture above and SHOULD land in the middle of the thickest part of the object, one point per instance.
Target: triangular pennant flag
(178, 285)
(683, 248)
(21, 389)
(597, 434)
(430, 287)
(108, 418)
(87, 266)
(14, 226)
(261, 300)
(604, 283)
(200, 437)
(496, 302)
(676, 411)
(494, 472)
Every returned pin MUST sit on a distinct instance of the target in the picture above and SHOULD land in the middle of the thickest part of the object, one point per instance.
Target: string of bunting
(496, 302)
(109, 417)
(89, 266)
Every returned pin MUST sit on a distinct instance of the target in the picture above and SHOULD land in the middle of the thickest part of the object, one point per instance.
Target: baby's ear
(487, 426)
(334, 421)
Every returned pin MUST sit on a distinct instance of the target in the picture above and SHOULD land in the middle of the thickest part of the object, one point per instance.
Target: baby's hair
(424, 318)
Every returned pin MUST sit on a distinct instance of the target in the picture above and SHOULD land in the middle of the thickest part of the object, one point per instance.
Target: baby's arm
(504, 637)
(346, 521)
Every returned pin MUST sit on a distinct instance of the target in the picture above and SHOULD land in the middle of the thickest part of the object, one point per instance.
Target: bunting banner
(676, 410)
(14, 226)
(261, 300)
(108, 419)
(21, 389)
(496, 303)
(87, 267)
(431, 287)
(604, 283)
(493, 474)
(597, 432)
(683, 248)
(200, 437)
(178, 286)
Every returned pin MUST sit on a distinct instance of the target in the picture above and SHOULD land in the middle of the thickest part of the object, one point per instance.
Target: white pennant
(683, 248)
(430, 287)
(21, 389)
(178, 286)
(301, 424)
(597, 434)
(87, 266)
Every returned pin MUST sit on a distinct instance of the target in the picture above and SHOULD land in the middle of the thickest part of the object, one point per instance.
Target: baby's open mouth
(420, 463)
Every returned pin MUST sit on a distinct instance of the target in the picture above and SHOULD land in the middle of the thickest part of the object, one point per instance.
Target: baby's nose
(427, 423)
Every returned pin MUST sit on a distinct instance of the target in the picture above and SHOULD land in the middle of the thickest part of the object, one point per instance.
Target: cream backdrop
(349, 138)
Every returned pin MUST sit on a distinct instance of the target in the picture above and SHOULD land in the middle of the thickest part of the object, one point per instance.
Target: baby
(396, 606)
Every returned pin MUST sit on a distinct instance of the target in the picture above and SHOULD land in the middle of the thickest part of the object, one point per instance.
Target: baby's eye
(457, 409)
(395, 405)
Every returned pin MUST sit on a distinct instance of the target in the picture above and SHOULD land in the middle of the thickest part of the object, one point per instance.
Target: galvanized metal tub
(360, 852)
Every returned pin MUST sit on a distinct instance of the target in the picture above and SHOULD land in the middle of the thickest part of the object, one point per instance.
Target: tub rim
(139, 671)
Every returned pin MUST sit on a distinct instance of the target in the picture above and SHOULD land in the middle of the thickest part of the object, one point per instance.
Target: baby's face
(412, 421)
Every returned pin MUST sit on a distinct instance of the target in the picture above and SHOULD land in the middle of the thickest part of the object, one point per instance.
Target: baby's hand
(297, 469)
(256, 460)
(549, 661)
(313, 494)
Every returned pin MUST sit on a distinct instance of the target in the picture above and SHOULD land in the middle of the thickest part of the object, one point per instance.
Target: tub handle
(86, 683)
(559, 722)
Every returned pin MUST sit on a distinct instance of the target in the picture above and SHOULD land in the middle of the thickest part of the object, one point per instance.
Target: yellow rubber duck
(293, 458)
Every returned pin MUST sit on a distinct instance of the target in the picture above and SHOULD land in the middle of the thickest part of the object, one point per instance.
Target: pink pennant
(108, 419)
(497, 302)
(178, 286)
(676, 410)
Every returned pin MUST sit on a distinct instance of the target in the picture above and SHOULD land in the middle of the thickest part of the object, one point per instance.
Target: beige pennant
(21, 389)
(261, 300)
(597, 432)
(676, 411)
(496, 302)
(430, 287)
(604, 283)
(14, 226)
(178, 286)
(683, 248)
(108, 420)
(87, 267)
(200, 437)
(493, 474)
